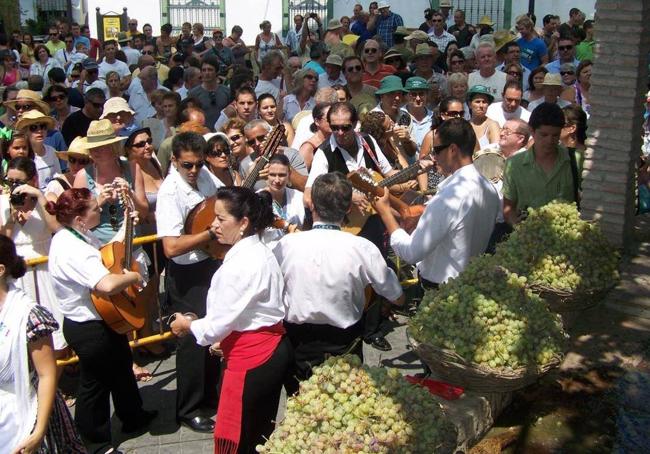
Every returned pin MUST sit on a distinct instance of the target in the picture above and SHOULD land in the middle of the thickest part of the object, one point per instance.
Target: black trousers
(261, 397)
(197, 372)
(500, 232)
(106, 370)
(313, 344)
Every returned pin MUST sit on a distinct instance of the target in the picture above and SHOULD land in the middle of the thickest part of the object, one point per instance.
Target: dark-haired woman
(104, 356)
(57, 96)
(34, 418)
(244, 317)
(267, 109)
(321, 129)
(218, 159)
(574, 132)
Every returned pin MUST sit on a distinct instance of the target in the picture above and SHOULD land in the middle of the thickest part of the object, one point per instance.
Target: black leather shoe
(381, 343)
(141, 422)
(198, 424)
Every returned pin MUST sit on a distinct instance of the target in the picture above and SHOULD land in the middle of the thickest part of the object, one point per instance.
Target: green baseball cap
(480, 90)
(416, 84)
(390, 84)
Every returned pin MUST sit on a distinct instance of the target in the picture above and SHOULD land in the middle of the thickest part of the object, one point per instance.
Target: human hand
(382, 204)
(360, 201)
(28, 445)
(180, 326)
(401, 132)
(215, 349)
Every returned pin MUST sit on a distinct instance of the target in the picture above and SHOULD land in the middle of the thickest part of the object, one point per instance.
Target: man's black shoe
(198, 424)
(141, 422)
(381, 343)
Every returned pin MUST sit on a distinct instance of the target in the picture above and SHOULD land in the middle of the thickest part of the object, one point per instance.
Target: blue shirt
(554, 66)
(532, 52)
(386, 27)
(360, 29)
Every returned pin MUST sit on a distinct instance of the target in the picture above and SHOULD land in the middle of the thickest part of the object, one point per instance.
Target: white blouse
(245, 293)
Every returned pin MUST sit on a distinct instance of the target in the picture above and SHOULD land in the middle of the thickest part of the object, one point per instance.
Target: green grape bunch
(347, 407)
(487, 316)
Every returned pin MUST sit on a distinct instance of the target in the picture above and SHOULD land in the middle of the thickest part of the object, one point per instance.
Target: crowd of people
(267, 134)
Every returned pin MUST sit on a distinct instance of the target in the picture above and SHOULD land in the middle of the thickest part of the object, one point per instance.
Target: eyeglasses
(191, 165)
(24, 107)
(565, 47)
(342, 128)
(259, 139)
(218, 153)
(507, 132)
(80, 161)
(310, 77)
(436, 20)
(351, 69)
(437, 149)
(97, 105)
(455, 113)
(58, 98)
(13, 182)
(235, 137)
(567, 73)
(37, 127)
(514, 73)
(147, 52)
(213, 98)
(112, 211)
(142, 143)
(370, 50)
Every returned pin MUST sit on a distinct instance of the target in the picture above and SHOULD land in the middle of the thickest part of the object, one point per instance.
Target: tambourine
(490, 163)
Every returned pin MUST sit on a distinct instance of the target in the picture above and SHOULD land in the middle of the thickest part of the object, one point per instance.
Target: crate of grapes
(563, 301)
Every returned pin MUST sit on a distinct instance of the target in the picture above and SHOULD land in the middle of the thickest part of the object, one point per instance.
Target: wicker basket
(561, 301)
(450, 367)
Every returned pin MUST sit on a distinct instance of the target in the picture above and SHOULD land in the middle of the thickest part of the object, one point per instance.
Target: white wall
(145, 11)
(412, 11)
(558, 7)
(250, 13)
(27, 11)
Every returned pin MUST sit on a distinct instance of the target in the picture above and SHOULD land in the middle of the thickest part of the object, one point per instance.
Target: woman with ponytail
(244, 322)
(34, 418)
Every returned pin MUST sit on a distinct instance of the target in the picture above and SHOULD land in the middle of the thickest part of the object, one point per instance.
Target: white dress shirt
(495, 112)
(291, 106)
(320, 166)
(176, 198)
(326, 273)
(324, 80)
(245, 293)
(139, 101)
(74, 274)
(456, 225)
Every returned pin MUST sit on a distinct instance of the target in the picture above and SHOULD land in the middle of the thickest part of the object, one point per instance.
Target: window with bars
(207, 12)
(497, 10)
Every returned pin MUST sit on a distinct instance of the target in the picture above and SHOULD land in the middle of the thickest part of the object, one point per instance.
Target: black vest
(336, 162)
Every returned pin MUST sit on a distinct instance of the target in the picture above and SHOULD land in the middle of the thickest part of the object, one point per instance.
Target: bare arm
(298, 181)
(425, 149)
(115, 283)
(179, 245)
(510, 211)
(139, 194)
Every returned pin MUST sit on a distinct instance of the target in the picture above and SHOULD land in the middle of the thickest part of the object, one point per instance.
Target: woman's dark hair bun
(14, 263)
(242, 202)
(50, 207)
(265, 217)
(19, 268)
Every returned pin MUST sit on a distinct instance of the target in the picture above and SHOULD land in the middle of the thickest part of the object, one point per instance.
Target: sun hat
(416, 83)
(122, 38)
(417, 34)
(383, 4)
(31, 96)
(444, 4)
(334, 59)
(34, 117)
(392, 53)
(334, 24)
(480, 90)
(422, 50)
(401, 30)
(486, 20)
(390, 84)
(501, 38)
(115, 104)
(552, 80)
(100, 133)
(74, 148)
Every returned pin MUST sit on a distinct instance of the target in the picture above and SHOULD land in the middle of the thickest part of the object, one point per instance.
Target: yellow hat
(486, 20)
(100, 133)
(74, 148)
(29, 96)
(34, 117)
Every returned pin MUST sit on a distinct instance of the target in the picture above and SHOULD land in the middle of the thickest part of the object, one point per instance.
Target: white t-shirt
(268, 86)
(118, 66)
(495, 112)
(46, 166)
(495, 82)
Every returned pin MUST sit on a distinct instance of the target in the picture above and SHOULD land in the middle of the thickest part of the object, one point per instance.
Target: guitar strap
(371, 153)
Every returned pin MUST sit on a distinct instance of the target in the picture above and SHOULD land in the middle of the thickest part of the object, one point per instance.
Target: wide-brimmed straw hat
(116, 104)
(34, 117)
(74, 148)
(100, 133)
(25, 95)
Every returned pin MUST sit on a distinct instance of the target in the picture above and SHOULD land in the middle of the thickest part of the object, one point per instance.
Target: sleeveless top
(265, 46)
(112, 214)
(200, 47)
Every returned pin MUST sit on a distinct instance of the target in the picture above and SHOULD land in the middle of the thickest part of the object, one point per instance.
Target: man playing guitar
(189, 273)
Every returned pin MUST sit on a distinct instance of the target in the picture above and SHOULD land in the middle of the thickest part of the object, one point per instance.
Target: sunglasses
(310, 77)
(213, 98)
(142, 143)
(565, 47)
(455, 113)
(436, 20)
(24, 106)
(342, 128)
(112, 211)
(80, 161)
(235, 137)
(147, 52)
(13, 182)
(259, 139)
(218, 153)
(38, 127)
(351, 69)
(514, 73)
(191, 165)
(97, 105)
(440, 148)
(566, 73)
(58, 98)
(457, 62)
(74, 76)
(370, 50)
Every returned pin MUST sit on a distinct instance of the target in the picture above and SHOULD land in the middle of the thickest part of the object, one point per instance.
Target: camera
(16, 199)
(313, 15)
(428, 14)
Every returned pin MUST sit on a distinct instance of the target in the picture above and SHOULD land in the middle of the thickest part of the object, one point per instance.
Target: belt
(426, 284)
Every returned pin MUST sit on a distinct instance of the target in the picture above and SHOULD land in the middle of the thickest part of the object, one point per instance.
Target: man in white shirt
(269, 79)
(132, 54)
(439, 35)
(487, 75)
(457, 222)
(110, 63)
(140, 92)
(510, 107)
(64, 56)
(188, 274)
(332, 75)
(326, 273)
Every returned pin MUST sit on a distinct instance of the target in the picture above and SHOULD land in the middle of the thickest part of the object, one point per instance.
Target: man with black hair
(76, 125)
(212, 95)
(188, 274)
(573, 27)
(544, 172)
(551, 22)
(326, 272)
(110, 63)
(457, 223)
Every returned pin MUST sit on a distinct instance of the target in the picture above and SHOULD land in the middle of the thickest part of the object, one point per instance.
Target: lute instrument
(202, 215)
(124, 311)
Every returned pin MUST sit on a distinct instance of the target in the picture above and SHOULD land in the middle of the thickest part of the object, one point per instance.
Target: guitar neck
(271, 144)
(402, 176)
(128, 239)
(251, 178)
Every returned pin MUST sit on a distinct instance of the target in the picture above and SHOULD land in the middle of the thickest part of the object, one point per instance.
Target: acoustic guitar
(202, 215)
(125, 311)
(373, 184)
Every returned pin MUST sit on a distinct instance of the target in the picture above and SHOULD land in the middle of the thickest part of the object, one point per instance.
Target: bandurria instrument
(202, 215)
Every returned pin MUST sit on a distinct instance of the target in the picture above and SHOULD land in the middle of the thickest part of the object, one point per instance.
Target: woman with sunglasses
(578, 93)
(455, 62)
(234, 130)
(302, 98)
(35, 125)
(57, 96)
(77, 158)
(514, 72)
(44, 62)
(267, 109)
(218, 159)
